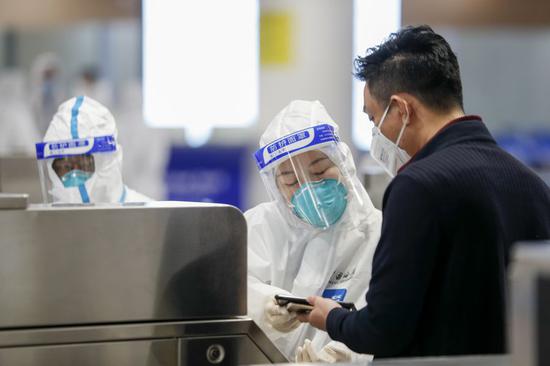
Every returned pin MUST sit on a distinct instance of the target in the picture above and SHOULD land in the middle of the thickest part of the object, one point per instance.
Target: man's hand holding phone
(301, 304)
(313, 310)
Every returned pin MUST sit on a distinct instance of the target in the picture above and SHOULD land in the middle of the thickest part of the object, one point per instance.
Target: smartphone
(301, 304)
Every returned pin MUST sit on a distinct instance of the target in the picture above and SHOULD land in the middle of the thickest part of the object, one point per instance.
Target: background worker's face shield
(305, 172)
(74, 170)
(68, 168)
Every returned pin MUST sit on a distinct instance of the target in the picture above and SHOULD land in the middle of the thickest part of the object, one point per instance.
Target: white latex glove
(279, 317)
(331, 353)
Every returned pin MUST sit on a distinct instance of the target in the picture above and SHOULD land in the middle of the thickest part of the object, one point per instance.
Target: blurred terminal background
(193, 84)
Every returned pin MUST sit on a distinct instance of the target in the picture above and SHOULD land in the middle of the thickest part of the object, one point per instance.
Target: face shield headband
(47, 152)
(297, 142)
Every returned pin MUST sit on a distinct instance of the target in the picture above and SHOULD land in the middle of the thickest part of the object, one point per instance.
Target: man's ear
(405, 108)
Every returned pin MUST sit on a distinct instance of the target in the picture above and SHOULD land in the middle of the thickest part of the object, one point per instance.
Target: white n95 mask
(386, 153)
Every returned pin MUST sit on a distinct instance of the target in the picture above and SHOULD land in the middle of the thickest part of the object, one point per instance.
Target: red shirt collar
(468, 117)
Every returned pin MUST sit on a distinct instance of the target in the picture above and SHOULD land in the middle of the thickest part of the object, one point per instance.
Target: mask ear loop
(384, 115)
(384, 118)
(400, 134)
(402, 130)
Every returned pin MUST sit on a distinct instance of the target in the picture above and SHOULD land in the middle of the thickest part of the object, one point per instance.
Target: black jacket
(439, 276)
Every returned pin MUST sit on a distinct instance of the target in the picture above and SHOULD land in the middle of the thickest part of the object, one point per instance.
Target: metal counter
(20, 174)
(105, 264)
(229, 341)
(156, 284)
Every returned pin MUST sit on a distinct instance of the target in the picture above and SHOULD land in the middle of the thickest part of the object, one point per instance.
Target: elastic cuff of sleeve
(335, 319)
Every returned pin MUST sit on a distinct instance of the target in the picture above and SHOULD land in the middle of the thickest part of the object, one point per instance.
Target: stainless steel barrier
(19, 174)
(156, 284)
(529, 313)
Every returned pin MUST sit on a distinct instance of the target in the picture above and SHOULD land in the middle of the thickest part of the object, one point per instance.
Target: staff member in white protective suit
(47, 89)
(80, 159)
(317, 235)
(90, 84)
(18, 131)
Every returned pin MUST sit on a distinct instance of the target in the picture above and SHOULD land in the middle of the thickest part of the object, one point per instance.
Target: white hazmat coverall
(287, 255)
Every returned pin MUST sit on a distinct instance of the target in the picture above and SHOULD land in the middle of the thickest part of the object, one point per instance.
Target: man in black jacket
(455, 207)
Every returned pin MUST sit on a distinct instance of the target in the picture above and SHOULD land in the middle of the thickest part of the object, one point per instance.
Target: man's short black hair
(414, 60)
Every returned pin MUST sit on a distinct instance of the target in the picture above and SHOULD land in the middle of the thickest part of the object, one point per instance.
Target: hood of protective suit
(83, 117)
(300, 115)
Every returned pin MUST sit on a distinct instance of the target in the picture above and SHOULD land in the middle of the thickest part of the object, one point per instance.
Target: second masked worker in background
(317, 235)
(80, 160)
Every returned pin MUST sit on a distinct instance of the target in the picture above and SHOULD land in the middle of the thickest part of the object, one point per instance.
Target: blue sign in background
(207, 174)
(532, 148)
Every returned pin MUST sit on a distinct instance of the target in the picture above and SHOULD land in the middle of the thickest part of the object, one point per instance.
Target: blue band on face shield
(293, 143)
(90, 145)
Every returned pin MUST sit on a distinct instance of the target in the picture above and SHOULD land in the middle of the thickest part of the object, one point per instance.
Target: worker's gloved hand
(279, 317)
(331, 353)
(306, 353)
(335, 352)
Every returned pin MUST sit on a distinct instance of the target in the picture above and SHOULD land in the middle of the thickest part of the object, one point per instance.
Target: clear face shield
(305, 172)
(67, 168)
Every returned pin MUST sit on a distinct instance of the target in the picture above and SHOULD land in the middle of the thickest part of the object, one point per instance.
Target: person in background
(47, 89)
(80, 158)
(316, 236)
(89, 83)
(456, 205)
(18, 131)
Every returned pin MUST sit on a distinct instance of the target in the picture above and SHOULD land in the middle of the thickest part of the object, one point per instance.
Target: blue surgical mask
(320, 203)
(75, 178)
